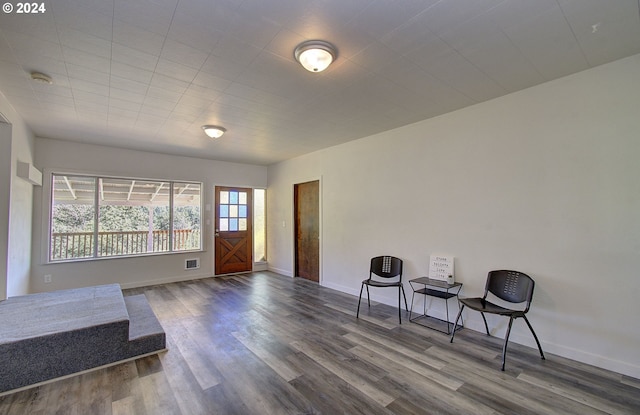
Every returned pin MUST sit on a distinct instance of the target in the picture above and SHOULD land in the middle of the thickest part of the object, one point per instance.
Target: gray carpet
(47, 335)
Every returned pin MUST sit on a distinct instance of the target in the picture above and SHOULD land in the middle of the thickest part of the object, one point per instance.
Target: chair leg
(406, 307)
(486, 326)
(506, 341)
(359, 299)
(456, 323)
(399, 307)
(368, 296)
(534, 336)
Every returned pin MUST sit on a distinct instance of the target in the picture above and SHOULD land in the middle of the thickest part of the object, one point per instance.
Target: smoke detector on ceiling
(41, 78)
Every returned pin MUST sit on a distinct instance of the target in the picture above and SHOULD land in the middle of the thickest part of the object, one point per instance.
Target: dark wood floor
(267, 344)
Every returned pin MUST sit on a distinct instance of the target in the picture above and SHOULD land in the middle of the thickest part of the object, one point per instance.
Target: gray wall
(16, 197)
(62, 156)
(5, 204)
(545, 181)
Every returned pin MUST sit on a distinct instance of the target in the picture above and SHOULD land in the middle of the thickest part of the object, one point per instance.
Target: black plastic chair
(387, 268)
(510, 286)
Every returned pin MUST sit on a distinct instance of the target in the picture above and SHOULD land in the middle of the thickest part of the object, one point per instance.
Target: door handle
(217, 233)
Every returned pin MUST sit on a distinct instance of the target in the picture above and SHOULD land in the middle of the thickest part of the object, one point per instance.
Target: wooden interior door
(307, 230)
(233, 239)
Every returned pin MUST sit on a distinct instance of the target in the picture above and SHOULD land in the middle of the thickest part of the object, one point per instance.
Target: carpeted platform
(48, 335)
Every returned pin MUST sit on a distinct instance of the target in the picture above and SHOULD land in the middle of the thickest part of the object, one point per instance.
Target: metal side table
(439, 289)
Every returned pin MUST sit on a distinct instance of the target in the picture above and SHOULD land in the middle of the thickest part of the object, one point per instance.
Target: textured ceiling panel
(147, 74)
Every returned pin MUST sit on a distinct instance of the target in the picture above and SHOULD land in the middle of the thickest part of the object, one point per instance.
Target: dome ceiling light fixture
(315, 55)
(214, 131)
(41, 78)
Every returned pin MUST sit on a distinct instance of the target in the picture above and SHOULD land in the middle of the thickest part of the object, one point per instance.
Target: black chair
(387, 268)
(510, 286)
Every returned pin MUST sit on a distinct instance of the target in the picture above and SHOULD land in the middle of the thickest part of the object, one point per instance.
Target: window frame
(264, 261)
(46, 253)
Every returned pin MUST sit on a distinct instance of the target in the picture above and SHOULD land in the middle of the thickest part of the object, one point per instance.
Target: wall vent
(193, 263)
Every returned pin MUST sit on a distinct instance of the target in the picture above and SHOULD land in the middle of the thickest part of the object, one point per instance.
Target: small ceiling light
(214, 131)
(41, 78)
(315, 55)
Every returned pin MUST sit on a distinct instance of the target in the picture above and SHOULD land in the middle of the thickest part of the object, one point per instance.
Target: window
(186, 216)
(73, 217)
(259, 225)
(96, 217)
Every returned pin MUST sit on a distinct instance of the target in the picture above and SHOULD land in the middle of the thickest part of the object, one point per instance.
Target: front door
(233, 230)
(307, 223)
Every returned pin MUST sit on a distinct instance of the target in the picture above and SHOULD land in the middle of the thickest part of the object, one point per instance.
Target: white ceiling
(147, 74)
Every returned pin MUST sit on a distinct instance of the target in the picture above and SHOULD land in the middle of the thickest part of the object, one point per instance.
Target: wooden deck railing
(70, 245)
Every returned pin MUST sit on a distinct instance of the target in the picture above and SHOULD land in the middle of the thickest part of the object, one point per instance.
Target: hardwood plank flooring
(261, 343)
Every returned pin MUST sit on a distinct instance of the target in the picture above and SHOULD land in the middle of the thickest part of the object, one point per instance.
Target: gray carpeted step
(49, 335)
(146, 335)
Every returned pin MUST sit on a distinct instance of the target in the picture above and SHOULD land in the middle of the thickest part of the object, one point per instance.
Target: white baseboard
(284, 272)
(526, 339)
(604, 362)
(185, 277)
(345, 289)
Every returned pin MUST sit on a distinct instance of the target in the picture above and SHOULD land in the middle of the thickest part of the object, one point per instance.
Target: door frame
(292, 227)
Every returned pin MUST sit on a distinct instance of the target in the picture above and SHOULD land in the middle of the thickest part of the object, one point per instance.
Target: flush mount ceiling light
(41, 78)
(214, 131)
(315, 55)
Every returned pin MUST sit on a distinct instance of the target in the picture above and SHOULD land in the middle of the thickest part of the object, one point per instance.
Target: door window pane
(234, 209)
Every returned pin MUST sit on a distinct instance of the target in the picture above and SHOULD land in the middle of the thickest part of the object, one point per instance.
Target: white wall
(5, 203)
(17, 194)
(545, 181)
(63, 156)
